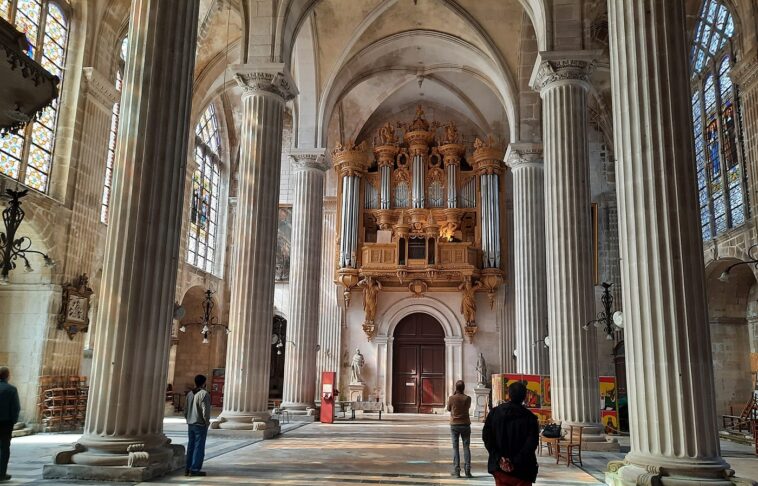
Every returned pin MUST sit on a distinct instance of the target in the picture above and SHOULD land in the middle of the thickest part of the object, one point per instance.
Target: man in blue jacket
(9, 410)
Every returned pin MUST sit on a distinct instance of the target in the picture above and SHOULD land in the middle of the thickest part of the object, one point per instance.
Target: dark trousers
(463, 432)
(196, 446)
(6, 430)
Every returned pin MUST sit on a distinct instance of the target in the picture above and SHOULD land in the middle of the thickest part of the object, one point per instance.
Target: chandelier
(611, 321)
(208, 321)
(13, 248)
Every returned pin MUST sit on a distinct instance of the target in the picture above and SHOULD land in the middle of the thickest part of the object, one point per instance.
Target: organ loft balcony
(419, 211)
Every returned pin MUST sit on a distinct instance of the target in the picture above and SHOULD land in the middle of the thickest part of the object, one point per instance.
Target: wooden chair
(546, 442)
(745, 420)
(573, 449)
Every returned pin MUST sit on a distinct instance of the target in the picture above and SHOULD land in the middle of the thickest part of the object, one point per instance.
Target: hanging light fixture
(208, 321)
(14, 248)
(611, 321)
(752, 252)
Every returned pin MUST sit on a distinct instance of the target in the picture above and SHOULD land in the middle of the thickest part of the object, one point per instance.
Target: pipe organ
(416, 213)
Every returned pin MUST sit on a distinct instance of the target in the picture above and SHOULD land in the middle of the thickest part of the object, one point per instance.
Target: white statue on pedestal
(355, 368)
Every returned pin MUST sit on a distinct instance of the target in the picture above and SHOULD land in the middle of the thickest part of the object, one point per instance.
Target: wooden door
(418, 374)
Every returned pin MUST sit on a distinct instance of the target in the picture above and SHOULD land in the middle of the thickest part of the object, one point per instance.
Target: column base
(261, 422)
(298, 412)
(119, 460)
(661, 473)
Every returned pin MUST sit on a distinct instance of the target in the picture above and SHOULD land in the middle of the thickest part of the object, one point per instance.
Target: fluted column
(124, 425)
(563, 81)
(330, 306)
(530, 274)
(265, 88)
(308, 168)
(745, 76)
(674, 437)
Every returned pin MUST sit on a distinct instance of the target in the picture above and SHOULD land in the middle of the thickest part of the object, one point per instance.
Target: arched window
(201, 247)
(28, 156)
(108, 180)
(718, 153)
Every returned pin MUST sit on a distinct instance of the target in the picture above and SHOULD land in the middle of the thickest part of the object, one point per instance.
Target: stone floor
(398, 450)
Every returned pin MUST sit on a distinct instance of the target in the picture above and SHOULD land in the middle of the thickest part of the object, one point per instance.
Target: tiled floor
(399, 450)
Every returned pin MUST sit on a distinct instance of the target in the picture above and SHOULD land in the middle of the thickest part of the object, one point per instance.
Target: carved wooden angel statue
(387, 134)
(468, 300)
(451, 133)
(371, 290)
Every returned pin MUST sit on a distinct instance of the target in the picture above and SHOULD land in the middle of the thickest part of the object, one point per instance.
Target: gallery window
(721, 177)
(105, 202)
(202, 243)
(28, 155)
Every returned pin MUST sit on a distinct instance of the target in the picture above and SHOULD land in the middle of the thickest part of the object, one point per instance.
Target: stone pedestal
(265, 90)
(562, 79)
(672, 416)
(356, 392)
(530, 274)
(308, 167)
(482, 395)
(123, 433)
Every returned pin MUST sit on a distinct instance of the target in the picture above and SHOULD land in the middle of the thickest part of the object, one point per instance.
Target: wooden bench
(367, 407)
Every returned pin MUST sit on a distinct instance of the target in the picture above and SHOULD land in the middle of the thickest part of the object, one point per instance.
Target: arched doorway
(730, 311)
(418, 370)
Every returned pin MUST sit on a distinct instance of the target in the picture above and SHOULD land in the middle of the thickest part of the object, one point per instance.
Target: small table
(367, 407)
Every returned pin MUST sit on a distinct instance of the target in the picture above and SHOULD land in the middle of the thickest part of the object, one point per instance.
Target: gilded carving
(74, 313)
(371, 288)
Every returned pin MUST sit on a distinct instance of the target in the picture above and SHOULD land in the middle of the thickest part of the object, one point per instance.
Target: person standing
(9, 410)
(198, 415)
(460, 428)
(510, 434)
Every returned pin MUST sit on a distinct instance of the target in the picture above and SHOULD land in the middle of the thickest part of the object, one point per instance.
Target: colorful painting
(283, 245)
(546, 395)
(533, 390)
(610, 421)
(543, 414)
(608, 393)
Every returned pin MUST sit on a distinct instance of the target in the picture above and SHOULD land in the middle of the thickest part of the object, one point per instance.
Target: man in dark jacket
(9, 410)
(512, 432)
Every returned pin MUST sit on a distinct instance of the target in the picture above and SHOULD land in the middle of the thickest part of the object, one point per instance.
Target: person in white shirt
(198, 415)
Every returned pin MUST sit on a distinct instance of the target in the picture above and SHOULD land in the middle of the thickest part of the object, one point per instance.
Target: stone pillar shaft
(562, 80)
(530, 273)
(136, 304)
(668, 350)
(251, 312)
(302, 330)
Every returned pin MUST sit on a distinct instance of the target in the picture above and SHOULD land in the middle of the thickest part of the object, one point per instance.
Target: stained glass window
(715, 114)
(28, 156)
(201, 245)
(105, 202)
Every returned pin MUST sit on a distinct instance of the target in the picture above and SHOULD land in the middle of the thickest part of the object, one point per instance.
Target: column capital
(563, 67)
(524, 154)
(268, 78)
(100, 88)
(745, 71)
(308, 159)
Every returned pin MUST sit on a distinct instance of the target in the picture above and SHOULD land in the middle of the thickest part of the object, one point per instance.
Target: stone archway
(729, 313)
(384, 340)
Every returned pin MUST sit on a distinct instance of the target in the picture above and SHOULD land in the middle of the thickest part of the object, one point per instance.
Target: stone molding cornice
(558, 67)
(101, 88)
(745, 72)
(271, 78)
(308, 159)
(521, 155)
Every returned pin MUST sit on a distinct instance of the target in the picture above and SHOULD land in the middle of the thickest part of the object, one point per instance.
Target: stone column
(562, 79)
(265, 89)
(745, 76)
(674, 436)
(308, 168)
(530, 274)
(124, 425)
